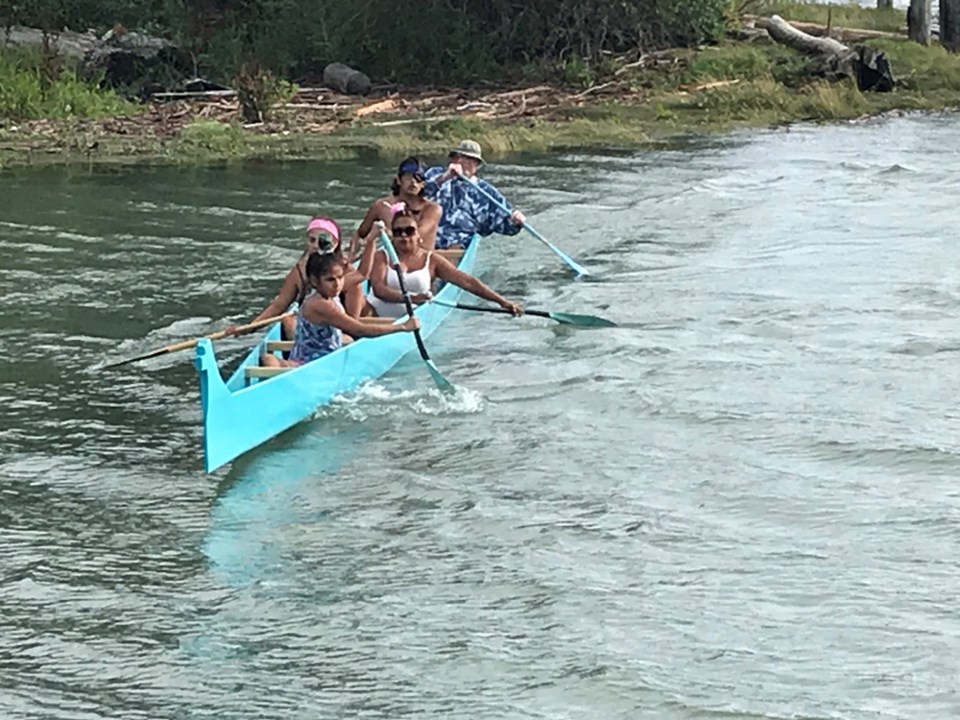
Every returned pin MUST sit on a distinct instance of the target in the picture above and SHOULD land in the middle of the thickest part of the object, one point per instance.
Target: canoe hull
(239, 415)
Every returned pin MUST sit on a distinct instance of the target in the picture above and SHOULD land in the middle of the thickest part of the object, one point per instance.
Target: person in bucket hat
(466, 211)
(468, 149)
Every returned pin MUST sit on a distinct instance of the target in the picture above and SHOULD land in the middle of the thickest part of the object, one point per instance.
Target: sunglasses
(406, 230)
(323, 241)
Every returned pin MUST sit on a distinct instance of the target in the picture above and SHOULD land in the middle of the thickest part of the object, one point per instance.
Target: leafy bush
(411, 41)
(259, 90)
(27, 92)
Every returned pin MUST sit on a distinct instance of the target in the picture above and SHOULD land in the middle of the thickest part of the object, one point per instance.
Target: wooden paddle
(579, 269)
(565, 318)
(437, 376)
(187, 344)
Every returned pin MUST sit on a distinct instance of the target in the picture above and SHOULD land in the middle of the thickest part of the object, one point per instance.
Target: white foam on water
(376, 400)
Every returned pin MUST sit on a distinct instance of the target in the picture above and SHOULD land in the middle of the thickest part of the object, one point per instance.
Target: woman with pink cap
(323, 237)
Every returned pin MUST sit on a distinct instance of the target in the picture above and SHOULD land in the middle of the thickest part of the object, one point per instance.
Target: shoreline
(640, 103)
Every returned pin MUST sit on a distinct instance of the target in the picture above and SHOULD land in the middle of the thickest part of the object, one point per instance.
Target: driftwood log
(345, 79)
(835, 61)
(819, 30)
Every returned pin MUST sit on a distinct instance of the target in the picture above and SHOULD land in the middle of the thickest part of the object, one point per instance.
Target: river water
(741, 503)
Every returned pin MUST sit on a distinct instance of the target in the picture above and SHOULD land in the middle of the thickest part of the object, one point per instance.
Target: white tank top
(416, 282)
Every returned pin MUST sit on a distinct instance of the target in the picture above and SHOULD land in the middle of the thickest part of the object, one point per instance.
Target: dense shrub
(406, 40)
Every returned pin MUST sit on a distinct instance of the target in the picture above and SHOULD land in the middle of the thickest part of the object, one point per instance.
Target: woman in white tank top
(420, 268)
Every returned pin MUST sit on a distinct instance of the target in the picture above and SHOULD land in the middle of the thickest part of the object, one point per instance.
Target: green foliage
(576, 71)
(663, 113)
(27, 93)
(765, 101)
(259, 90)
(212, 135)
(408, 41)
(749, 62)
(691, 22)
(735, 62)
(929, 69)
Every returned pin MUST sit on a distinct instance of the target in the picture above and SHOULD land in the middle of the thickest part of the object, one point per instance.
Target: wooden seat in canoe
(257, 371)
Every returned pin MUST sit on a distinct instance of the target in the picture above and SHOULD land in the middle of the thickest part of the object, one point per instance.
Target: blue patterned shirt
(466, 211)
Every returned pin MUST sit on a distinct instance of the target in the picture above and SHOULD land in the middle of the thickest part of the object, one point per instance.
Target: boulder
(345, 79)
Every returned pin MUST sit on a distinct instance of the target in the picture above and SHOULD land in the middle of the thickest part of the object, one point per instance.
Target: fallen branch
(411, 121)
(523, 91)
(786, 34)
(596, 88)
(817, 30)
(835, 60)
(629, 66)
(695, 87)
(377, 107)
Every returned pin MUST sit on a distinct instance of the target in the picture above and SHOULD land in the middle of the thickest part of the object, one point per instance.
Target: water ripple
(740, 503)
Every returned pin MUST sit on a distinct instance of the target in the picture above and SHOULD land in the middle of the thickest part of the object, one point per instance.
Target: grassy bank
(849, 15)
(630, 105)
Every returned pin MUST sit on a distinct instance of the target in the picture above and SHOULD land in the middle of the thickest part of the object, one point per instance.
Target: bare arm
(362, 271)
(446, 270)
(374, 212)
(323, 313)
(286, 295)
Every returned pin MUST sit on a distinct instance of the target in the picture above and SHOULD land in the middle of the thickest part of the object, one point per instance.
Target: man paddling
(465, 210)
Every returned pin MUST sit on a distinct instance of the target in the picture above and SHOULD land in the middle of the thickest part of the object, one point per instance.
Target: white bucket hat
(468, 148)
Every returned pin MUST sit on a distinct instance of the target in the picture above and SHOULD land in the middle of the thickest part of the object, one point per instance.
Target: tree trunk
(834, 60)
(785, 34)
(918, 21)
(950, 24)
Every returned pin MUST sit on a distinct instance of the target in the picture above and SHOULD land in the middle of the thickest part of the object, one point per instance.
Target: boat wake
(375, 400)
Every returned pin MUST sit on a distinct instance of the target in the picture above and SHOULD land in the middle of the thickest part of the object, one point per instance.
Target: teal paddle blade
(582, 320)
(443, 384)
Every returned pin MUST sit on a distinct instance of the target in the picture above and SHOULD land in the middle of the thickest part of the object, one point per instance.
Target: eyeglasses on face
(405, 230)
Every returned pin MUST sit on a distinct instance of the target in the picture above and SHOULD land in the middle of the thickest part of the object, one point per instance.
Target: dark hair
(318, 265)
(412, 160)
(405, 213)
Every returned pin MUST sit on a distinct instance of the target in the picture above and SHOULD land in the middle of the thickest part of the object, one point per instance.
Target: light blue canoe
(242, 413)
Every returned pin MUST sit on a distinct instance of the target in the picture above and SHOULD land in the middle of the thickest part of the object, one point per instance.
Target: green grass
(848, 16)
(927, 69)
(25, 96)
(732, 61)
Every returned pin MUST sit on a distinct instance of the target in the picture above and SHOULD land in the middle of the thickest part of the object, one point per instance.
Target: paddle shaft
(408, 304)
(481, 308)
(569, 261)
(187, 344)
(561, 317)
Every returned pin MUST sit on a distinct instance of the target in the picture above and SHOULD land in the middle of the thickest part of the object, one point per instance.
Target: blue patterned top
(314, 341)
(466, 211)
